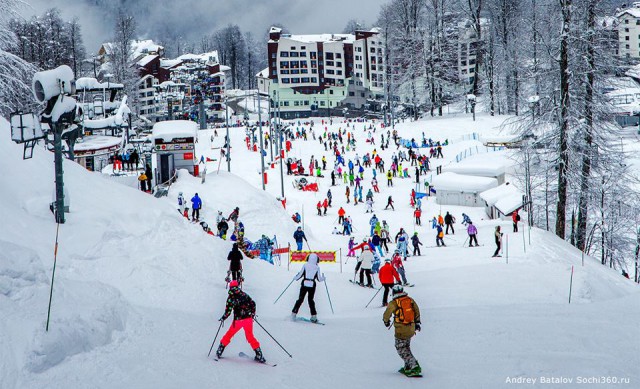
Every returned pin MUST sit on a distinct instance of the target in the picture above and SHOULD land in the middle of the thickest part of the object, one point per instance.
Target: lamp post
(226, 109)
(261, 141)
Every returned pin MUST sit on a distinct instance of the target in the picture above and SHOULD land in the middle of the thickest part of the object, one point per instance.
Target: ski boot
(403, 369)
(293, 316)
(259, 357)
(314, 319)
(220, 350)
(415, 372)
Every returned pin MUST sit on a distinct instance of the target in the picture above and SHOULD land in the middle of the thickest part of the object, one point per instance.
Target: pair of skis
(247, 356)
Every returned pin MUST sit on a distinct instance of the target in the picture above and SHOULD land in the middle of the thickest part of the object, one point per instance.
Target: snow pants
(473, 238)
(385, 295)
(368, 273)
(304, 290)
(452, 230)
(402, 275)
(237, 325)
(299, 245)
(403, 346)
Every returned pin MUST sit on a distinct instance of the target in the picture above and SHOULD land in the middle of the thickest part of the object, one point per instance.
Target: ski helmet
(396, 289)
(234, 284)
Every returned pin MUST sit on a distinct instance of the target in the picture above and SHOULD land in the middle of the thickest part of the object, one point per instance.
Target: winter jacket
(415, 240)
(448, 219)
(310, 272)
(514, 216)
(366, 259)
(235, 256)
(375, 240)
(197, 203)
(472, 230)
(373, 221)
(341, 212)
(396, 261)
(417, 213)
(498, 236)
(299, 236)
(240, 304)
(388, 274)
(402, 331)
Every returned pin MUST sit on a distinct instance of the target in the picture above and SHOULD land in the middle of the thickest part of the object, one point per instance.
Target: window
(626, 38)
(330, 71)
(626, 21)
(306, 102)
(329, 63)
(338, 55)
(295, 80)
(638, 22)
(352, 94)
(295, 64)
(312, 55)
(284, 71)
(362, 94)
(305, 79)
(295, 71)
(293, 54)
(314, 64)
(296, 103)
(303, 47)
(626, 30)
(285, 80)
(304, 71)
(359, 50)
(284, 54)
(329, 55)
(322, 103)
(339, 64)
(293, 47)
(303, 54)
(284, 64)
(626, 47)
(339, 72)
(314, 71)
(373, 50)
(330, 91)
(273, 55)
(286, 103)
(313, 79)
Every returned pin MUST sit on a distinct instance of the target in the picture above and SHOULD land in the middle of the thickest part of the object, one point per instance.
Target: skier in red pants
(244, 309)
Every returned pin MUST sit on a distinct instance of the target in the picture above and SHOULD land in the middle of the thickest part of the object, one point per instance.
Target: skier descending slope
(244, 309)
(310, 272)
(406, 322)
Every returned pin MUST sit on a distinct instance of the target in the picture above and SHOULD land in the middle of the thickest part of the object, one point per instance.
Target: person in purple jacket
(472, 231)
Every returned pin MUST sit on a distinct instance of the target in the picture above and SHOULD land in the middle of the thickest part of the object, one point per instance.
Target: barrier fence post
(289, 256)
(340, 259)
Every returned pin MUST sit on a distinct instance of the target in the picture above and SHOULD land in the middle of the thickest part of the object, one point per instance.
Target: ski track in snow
(139, 289)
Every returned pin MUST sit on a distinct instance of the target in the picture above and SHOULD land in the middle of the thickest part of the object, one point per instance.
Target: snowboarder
(498, 236)
(233, 216)
(449, 220)
(244, 309)
(299, 236)
(235, 266)
(310, 272)
(406, 322)
(439, 236)
(415, 241)
(223, 227)
(365, 262)
(196, 204)
(387, 277)
(473, 232)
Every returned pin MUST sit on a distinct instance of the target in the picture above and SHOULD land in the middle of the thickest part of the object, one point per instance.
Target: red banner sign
(188, 155)
(325, 256)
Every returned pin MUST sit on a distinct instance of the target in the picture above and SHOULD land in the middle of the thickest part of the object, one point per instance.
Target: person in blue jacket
(299, 236)
(196, 204)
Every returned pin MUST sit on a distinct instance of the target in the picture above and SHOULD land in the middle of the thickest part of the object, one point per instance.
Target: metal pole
(57, 143)
(214, 339)
(328, 295)
(226, 108)
(571, 284)
(261, 141)
(53, 275)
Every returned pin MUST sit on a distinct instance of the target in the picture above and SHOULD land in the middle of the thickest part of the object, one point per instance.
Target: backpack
(404, 313)
(517, 217)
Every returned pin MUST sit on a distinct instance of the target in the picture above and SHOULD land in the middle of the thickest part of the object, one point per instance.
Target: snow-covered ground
(139, 289)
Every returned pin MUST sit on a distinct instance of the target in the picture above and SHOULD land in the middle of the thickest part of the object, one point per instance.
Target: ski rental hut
(174, 142)
(458, 189)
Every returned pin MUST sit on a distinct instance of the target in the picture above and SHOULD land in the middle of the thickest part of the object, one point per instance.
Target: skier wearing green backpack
(406, 322)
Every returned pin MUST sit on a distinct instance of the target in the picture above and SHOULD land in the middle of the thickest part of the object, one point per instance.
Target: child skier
(396, 262)
(440, 236)
(310, 273)
(406, 322)
(244, 309)
(415, 241)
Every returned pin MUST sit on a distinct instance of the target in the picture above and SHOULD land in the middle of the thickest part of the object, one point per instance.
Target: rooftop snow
(634, 12)
(169, 63)
(171, 129)
(210, 57)
(96, 142)
(313, 38)
(92, 83)
(264, 73)
(493, 195)
(509, 203)
(145, 60)
(490, 164)
(458, 182)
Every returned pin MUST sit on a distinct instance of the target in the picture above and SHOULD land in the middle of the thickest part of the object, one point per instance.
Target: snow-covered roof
(96, 142)
(210, 57)
(92, 83)
(169, 63)
(634, 12)
(146, 59)
(492, 164)
(313, 38)
(224, 68)
(171, 129)
(264, 73)
(275, 29)
(509, 203)
(493, 195)
(145, 46)
(623, 91)
(116, 120)
(458, 182)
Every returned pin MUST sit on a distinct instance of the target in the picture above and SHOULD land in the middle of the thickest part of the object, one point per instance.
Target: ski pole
(274, 339)
(214, 339)
(328, 295)
(308, 245)
(285, 289)
(465, 241)
(374, 296)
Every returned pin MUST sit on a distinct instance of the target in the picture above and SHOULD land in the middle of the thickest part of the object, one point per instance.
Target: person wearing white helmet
(310, 273)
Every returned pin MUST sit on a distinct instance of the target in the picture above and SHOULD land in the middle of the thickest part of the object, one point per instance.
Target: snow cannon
(51, 83)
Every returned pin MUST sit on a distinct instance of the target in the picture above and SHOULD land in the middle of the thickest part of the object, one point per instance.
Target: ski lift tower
(53, 88)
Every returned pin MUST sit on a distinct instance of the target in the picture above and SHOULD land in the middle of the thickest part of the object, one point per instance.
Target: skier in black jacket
(235, 266)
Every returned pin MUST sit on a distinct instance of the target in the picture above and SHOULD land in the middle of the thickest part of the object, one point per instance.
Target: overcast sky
(193, 18)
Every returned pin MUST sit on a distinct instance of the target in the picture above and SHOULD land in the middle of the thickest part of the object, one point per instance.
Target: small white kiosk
(174, 142)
